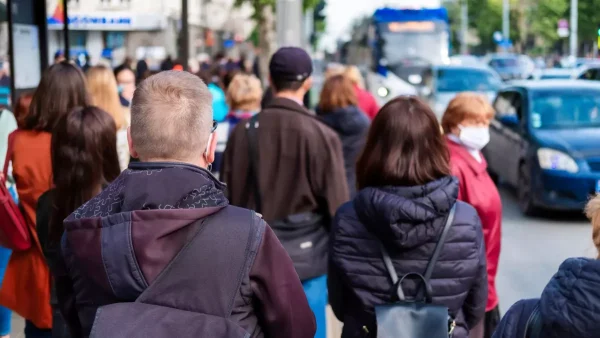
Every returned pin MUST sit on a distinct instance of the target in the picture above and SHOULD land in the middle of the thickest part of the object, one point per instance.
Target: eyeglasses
(214, 126)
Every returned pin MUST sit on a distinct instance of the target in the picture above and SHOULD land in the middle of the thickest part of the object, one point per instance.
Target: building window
(114, 40)
(77, 39)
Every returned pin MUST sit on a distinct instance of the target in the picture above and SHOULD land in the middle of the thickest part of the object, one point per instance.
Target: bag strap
(252, 131)
(387, 260)
(533, 328)
(9, 153)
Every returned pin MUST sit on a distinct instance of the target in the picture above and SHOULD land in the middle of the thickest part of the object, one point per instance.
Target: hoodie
(116, 245)
(352, 126)
(408, 222)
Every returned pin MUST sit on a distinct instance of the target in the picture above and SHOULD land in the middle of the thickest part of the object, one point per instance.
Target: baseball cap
(290, 64)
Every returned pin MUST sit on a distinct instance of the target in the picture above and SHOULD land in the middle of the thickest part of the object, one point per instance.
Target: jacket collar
(165, 165)
(287, 104)
(463, 153)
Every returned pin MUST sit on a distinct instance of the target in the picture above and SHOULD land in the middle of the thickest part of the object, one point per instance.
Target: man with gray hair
(161, 253)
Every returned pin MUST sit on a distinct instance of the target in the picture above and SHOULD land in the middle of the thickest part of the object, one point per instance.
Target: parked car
(508, 66)
(588, 72)
(545, 141)
(552, 74)
(449, 80)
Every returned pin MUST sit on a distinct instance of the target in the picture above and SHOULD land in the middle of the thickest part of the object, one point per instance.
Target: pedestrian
(25, 288)
(366, 100)
(84, 160)
(405, 197)
(167, 63)
(338, 109)
(215, 86)
(141, 70)
(297, 178)
(126, 84)
(466, 125)
(569, 304)
(104, 94)
(191, 257)
(243, 98)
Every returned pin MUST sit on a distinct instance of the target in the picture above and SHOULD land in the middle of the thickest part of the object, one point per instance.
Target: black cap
(290, 64)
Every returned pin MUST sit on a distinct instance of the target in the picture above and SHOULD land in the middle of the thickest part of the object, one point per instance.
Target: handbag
(415, 318)
(14, 232)
(303, 235)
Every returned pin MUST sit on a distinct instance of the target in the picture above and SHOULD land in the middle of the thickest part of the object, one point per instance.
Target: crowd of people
(200, 205)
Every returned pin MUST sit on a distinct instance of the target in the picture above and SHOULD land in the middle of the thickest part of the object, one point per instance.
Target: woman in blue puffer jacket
(405, 196)
(570, 304)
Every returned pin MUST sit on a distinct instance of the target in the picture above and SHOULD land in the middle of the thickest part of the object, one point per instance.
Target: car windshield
(565, 110)
(504, 63)
(460, 80)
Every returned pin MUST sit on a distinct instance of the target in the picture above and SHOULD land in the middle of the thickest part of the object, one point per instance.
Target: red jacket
(477, 188)
(366, 102)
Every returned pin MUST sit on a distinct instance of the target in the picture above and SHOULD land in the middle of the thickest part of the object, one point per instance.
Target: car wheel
(524, 192)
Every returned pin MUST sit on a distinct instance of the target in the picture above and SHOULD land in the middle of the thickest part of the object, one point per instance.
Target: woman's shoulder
(467, 218)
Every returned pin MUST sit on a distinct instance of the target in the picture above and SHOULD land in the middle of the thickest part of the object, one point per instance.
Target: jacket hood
(346, 121)
(125, 236)
(407, 217)
(570, 303)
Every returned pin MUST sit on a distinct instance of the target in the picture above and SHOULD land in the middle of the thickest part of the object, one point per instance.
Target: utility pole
(506, 21)
(464, 27)
(289, 23)
(184, 35)
(574, 28)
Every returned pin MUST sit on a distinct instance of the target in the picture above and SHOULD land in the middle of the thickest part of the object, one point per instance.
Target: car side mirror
(510, 120)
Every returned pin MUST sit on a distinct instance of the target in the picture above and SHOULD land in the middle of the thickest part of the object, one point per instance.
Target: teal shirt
(219, 103)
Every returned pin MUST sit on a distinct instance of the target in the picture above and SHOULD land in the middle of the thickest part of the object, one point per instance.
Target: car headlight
(383, 92)
(551, 159)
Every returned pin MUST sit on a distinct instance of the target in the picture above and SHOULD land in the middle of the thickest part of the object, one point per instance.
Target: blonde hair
(244, 93)
(104, 93)
(171, 117)
(353, 73)
(333, 70)
(466, 106)
(592, 211)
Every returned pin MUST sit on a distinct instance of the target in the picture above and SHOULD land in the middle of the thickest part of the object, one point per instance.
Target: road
(532, 250)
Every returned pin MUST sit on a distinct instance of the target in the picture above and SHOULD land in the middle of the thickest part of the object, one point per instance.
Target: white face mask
(474, 137)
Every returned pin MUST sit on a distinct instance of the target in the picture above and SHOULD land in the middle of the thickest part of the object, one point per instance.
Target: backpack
(415, 318)
(303, 236)
(189, 302)
(14, 232)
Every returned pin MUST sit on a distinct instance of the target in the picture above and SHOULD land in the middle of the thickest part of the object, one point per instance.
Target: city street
(532, 250)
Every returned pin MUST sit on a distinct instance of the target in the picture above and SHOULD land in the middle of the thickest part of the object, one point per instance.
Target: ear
(132, 151)
(212, 147)
(308, 83)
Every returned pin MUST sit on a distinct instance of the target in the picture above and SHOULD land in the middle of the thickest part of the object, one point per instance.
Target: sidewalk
(18, 327)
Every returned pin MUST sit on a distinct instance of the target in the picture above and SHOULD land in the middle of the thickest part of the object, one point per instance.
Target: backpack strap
(429, 270)
(533, 329)
(252, 131)
(206, 274)
(9, 153)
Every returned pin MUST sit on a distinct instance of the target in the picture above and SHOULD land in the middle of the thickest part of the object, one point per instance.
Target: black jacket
(408, 221)
(569, 306)
(352, 126)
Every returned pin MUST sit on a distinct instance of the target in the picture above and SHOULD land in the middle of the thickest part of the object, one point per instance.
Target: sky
(342, 13)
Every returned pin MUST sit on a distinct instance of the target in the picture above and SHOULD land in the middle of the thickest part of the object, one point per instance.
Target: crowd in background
(127, 153)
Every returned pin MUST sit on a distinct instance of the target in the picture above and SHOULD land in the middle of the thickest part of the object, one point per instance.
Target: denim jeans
(5, 314)
(316, 293)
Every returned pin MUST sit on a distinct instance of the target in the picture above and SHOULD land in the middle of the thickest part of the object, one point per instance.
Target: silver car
(449, 80)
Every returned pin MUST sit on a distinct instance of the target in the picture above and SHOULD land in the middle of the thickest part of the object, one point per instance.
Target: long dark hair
(62, 88)
(84, 157)
(405, 147)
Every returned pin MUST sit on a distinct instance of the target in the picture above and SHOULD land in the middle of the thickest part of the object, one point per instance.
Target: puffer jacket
(408, 221)
(569, 306)
(352, 126)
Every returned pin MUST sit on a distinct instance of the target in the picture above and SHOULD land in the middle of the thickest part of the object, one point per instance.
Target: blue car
(545, 141)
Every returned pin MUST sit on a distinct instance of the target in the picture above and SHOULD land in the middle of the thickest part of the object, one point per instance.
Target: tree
(265, 18)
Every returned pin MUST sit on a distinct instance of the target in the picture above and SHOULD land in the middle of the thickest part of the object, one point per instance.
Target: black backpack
(189, 299)
(304, 235)
(415, 318)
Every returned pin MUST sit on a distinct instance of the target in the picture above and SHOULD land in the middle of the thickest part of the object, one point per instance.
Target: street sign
(563, 28)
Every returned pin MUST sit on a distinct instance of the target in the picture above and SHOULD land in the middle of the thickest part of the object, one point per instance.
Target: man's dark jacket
(569, 306)
(121, 240)
(408, 221)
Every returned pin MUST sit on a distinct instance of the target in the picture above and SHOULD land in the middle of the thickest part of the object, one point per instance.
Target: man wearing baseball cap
(287, 165)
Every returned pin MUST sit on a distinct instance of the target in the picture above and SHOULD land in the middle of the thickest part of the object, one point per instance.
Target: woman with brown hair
(338, 109)
(569, 306)
(25, 288)
(104, 94)
(366, 100)
(84, 160)
(466, 125)
(406, 196)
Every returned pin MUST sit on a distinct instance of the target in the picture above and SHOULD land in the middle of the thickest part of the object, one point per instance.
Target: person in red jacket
(366, 101)
(466, 125)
